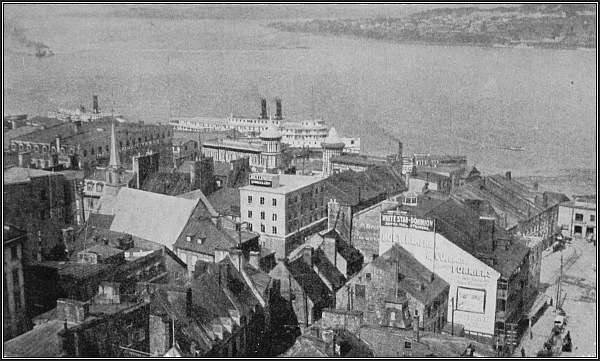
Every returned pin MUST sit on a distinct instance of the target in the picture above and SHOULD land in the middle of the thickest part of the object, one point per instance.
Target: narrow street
(579, 292)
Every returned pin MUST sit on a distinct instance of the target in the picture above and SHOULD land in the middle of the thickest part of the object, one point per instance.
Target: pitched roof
(204, 229)
(226, 201)
(204, 208)
(98, 220)
(151, 216)
(42, 341)
(306, 347)
(222, 169)
(168, 183)
(397, 258)
(312, 284)
(460, 225)
(328, 270)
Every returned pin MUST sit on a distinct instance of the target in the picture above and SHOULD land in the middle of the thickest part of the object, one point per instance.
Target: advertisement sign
(470, 300)
(261, 182)
(395, 219)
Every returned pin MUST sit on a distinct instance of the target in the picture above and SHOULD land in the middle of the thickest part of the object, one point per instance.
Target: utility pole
(559, 281)
(452, 331)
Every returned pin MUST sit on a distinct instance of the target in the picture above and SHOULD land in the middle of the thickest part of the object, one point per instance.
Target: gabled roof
(204, 229)
(306, 347)
(328, 270)
(306, 277)
(151, 216)
(397, 258)
(14, 175)
(102, 221)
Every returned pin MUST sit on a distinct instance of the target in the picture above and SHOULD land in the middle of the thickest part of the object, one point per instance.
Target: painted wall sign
(394, 219)
(470, 299)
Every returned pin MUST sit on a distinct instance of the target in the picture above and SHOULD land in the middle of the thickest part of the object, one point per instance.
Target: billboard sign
(470, 299)
(396, 219)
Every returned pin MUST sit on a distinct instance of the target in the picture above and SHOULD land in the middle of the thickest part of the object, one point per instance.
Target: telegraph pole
(452, 316)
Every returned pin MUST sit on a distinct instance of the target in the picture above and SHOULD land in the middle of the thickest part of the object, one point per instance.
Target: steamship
(297, 134)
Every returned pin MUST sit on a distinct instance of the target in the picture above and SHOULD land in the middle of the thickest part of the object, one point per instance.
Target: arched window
(36, 148)
(99, 187)
(44, 149)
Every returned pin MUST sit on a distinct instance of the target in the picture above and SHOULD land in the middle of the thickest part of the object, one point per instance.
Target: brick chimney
(254, 259)
(307, 254)
(72, 310)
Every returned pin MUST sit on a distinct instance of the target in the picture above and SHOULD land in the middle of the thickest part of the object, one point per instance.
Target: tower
(271, 154)
(331, 146)
(114, 171)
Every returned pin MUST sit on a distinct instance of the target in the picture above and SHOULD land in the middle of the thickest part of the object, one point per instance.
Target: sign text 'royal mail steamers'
(395, 219)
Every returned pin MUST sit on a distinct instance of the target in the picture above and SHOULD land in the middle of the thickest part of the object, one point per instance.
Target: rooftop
(42, 341)
(356, 159)
(155, 217)
(415, 274)
(333, 140)
(226, 201)
(580, 205)
(287, 183)
(233, 145)
(15, 175)
(312, 284)
(205, 237)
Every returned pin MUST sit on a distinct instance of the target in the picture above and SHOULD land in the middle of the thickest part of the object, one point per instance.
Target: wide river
(443, 99)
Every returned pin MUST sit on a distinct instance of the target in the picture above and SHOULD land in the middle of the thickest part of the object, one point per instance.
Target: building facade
(283, 209)
(579, 219)
(14, 308)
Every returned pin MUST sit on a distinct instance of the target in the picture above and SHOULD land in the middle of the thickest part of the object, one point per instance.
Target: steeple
(114, 155)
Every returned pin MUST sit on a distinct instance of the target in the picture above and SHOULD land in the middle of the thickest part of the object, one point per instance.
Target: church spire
(114, 155)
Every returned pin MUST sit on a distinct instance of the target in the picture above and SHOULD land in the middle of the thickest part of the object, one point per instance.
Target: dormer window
(201, 240)
(188, 238)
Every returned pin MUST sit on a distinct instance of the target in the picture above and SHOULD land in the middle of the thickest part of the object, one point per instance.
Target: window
(579, 217)
(262, 215)
(368, 276)
(14, 252)
(274, 230)
(274, 202)
(592, 218)
(577, 230)
(262, 200)
(250, 226)
(262, 227)
(274, 217)
(359, 290)
(99, 187)
(400, 277)
(249, 199)
(249, 214)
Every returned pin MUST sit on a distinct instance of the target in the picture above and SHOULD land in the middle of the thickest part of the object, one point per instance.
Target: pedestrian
(522, 352)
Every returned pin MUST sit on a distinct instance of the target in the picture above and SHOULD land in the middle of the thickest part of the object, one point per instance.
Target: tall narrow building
(114, 171)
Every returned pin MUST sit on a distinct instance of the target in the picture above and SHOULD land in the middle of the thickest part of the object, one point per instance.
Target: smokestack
(95, 104)
(278, 114)
(508, 175)
(263, 108)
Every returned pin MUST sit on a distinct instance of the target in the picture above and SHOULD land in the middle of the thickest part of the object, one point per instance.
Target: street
(578, 288)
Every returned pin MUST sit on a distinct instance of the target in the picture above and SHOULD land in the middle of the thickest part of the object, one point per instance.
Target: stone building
(283, 209)
(578, 219)
(393, 278)
(13, 304)
(42, 203)
(90, 142)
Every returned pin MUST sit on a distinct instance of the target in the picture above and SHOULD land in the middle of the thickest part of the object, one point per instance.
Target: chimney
(278, 114)
(486, 232)
(307, 253)
(72, 310)
(327, 336)
(95, 104)
(188, 302)
(254, 259)
(236, 258)
(57, 141)
(263, 108)
(508, 175)
(400, 151)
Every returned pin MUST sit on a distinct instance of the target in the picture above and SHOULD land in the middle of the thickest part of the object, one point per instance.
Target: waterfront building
(283, 209)
(332, 146)
(578, 219)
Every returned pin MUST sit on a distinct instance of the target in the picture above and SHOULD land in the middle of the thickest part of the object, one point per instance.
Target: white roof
(270, 133)
(333, 138)
(152, 216)
(22, 175)
(287, 183)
